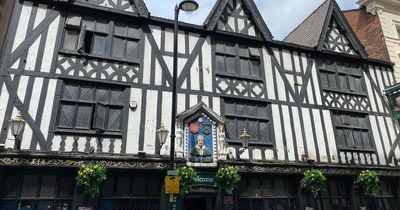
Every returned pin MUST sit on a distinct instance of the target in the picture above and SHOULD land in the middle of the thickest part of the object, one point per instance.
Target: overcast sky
(281, 16)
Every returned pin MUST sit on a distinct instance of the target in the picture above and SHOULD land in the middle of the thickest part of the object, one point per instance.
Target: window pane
(131, 50)
(231, 128)
(70, 39)
(241, 125)
(74, 20)
(70, 91)
(123, 186)
(262, 111)
(48, 186)
(366, 140)
(139, 184)
(99, 44)
(244, 67)
(241, 108)
(118, 47)
(10, 187)
(357, 138)
(343, 82)
(102, 26)
(66, 115)
(114, 119)
(154, 188)
(133, 32)
(358, 85)
(29, 186)
(341, 138)
(253, 130)
(220, 48)
(86, 93)
(102, 95)
(265, 131)
(220, 63)
(251, 110)
(230, 64)
(89, 22)
(100, 116)
(107, 189)
(229, 107)
(120, 29)
(324, 79)
(117, 97)
(349, 138)
(66, 186)
(352, 83)
(332, 80)
(84, 116)
(244, 51)
(255, 68)
(230, 49)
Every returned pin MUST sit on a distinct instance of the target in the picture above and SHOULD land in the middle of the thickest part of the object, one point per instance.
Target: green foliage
(187, 178)
(369, 181)
(91, 177)
(227, 178)
(313, 181)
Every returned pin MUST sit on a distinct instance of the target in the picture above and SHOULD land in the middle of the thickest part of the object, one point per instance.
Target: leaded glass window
(254, 117)
(340, 76)
(352, 131)
(90, 106)
(237, 60)
(336, 195)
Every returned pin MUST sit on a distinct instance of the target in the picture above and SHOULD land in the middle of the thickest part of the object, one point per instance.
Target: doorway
(204, 202)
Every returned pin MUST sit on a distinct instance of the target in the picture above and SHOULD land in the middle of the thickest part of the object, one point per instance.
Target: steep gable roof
(134, 6)
(224, 13)
(327, 24)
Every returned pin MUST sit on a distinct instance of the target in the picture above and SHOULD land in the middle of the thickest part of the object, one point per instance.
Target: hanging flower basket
(90, 178)
(187, 179)
(313, 181)
(369, 182)
(227, 178)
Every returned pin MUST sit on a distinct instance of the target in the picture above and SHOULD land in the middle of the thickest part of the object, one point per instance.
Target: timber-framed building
(314, 100)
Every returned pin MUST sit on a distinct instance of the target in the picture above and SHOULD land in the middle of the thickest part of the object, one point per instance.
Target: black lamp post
(186, 6)
(17, 126)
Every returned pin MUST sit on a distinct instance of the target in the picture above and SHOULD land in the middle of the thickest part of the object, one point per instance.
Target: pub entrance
(200, 202)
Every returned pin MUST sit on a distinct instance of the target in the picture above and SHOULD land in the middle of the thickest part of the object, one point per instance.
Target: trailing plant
(91, 176)
(313, 181)
(369, 181)
(227, 178)
(187, 179)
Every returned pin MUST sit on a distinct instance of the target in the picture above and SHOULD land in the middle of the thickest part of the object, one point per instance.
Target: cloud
(281, 16)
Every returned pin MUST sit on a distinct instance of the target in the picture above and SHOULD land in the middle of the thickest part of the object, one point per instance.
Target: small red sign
(194, 128)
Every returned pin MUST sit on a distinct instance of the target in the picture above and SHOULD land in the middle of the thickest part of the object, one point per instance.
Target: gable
(131, 6)
(237, 16)
(336, 41)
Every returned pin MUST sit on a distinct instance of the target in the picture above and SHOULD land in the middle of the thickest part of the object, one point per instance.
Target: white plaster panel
(269, 154)
(269, 79)
(320, 136)
(50, 45)
(288, 133)
(205, 100)
(48, 106)
(132, 142)
(169, 40)
(287, 60)
(194, 75)
(370, 93)
(55, 146)
(117, 146)
(330, 135)
(181, 103)
(298, 131)
(4, 96)
(22, 24)
(316, 84)
(257, 154)
(156, 31)
(147, 61)
(40, 15)
(166, 118)
(81, 144)
(207, 65)
(309, 133)
(382, 87)
(181, 43)
(384, 133)
(217, 105)
(105, 145)
(377, 140)
(193, 100)
(158, 73)
(281, 86)
(69, 141)
(193, 38)
(278, 132)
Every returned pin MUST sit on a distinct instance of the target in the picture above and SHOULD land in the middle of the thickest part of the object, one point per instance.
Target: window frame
(234, 117)
(122, 106)
(352, 128)
(338, 69)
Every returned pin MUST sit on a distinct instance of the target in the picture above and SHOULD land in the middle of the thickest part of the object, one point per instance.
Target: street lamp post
(186, 6)
(17, 126)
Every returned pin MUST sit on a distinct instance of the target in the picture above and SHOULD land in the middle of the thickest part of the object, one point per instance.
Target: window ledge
(91, 56)
(239, 77)
(233, 142)
(87, 132)
(345, 92)
(349, 149)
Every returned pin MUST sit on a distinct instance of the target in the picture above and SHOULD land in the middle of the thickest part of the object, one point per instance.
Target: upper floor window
(237, 60)
(100, 37)
(352, 131)
(91, 107)
(340, 76)
(249, 115)
(398, 31)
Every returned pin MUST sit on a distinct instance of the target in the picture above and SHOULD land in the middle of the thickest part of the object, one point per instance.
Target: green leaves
(314, 181)
(91, 177)
(227, 178)
(369, 181)
(187, 178)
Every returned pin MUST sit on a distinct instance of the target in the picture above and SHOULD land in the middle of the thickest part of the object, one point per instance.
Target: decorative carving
(240, 87)
(222, 142)
(345, 101)
(94, 68)
(337, 42)
(179, 142)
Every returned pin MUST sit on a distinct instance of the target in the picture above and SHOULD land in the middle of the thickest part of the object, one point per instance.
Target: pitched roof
(200, 107)
(309, 31)
(212, 19)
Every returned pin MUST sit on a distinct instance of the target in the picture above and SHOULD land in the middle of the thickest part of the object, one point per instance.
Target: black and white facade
(314, 100)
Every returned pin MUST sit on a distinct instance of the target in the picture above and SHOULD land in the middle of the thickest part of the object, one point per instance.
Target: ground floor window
(266, 194)
(386, 199)
(36, 192)
(336, 195)
(128, 192)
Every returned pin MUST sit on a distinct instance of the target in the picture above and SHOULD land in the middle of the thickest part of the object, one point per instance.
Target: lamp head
(188, 6)
(162, 134)
(17, 125)
(245, 137)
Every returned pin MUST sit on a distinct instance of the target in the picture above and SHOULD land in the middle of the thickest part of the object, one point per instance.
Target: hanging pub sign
(393, 97)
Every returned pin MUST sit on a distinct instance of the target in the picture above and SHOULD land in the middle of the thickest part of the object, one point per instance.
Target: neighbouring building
(92, 79)
(377, 24)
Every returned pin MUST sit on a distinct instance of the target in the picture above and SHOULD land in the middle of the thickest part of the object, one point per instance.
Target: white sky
(281, 16)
